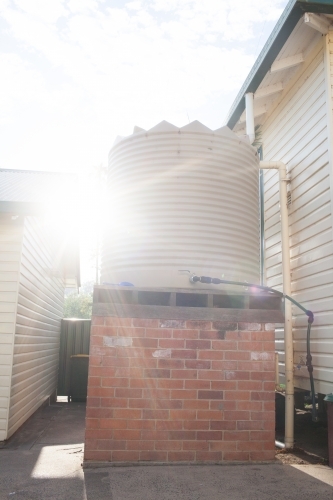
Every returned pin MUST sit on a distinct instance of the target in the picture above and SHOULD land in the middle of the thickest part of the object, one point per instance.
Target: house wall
(37, 334)
(296, 132)
(10, 253)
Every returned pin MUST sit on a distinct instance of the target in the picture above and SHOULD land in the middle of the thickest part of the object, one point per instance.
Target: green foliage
(78, 306)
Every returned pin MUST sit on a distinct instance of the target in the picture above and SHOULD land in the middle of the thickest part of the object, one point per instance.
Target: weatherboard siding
(296, 133)
(10, 253)
(39, 313)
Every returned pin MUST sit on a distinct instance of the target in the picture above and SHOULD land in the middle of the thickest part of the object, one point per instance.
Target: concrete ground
(43, 461)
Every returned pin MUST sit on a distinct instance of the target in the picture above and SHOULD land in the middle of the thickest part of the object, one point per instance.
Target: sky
(77, 73)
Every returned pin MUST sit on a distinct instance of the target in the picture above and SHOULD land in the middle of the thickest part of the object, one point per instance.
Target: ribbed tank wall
(181, 200)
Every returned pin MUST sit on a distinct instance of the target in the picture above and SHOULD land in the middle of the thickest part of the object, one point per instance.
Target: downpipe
(288, 334)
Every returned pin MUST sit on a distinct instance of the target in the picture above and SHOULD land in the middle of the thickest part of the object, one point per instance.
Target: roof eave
(284, 27)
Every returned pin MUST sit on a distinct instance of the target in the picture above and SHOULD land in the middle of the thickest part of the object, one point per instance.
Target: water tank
(181, 201)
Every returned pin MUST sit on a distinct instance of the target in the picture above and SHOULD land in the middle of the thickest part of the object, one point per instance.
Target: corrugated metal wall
(10, 254)
(39, 313)
(74, 339)
(296, 133)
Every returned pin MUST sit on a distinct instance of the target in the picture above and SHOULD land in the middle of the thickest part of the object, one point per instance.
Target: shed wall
(10, 252)
(296, 133)
(37, 335)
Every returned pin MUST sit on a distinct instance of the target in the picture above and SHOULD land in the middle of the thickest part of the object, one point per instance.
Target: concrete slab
(47, 465)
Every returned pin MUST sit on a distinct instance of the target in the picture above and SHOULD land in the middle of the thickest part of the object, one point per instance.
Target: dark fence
(74, 339)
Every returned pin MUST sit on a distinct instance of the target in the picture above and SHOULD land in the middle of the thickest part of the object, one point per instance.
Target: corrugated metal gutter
(287, 22)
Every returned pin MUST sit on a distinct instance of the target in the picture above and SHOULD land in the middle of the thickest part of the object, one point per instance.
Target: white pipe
(288, 332)
(278, 444)
(249, 117)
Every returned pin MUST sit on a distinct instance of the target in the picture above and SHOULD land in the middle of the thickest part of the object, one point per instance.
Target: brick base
(180, 391)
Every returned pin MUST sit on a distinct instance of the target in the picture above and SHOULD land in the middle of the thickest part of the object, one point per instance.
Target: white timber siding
(37, 335)
(296, 132)
(10, 256)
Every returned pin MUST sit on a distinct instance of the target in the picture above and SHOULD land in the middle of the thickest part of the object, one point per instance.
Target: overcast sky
(77, 73)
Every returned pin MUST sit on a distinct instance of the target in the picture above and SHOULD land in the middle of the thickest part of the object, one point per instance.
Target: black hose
(310, 315)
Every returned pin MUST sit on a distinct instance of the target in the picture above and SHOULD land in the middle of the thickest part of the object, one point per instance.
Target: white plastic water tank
(182, 201)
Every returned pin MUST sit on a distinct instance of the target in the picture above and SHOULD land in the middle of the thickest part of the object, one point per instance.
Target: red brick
(255, 347)
(224, 325)
(98, 455)
(249, 385)
(262, 396)
(114, 382)
(168, 445)
(126, 434)
(156, 373)
(269, 386)
(129, 372)
(127, 413)
(198, 324)
(140, 403)
(194, 404)
(222, 425)
(154, 456)
(97, 320)
(260, 336)
(185, 334)
(249, 446)
(146, 323)
(262, 456)
(224, 345)
(95, 360)
(195, 425)
(236, 435)
(269, 425)
(221, 385)
(237, 375)
(169, 425)
(263, 415)
(208, 456)
(183, 354)
(195, 445)
(128, 393)
(210, 415)
(210, 394)
(125, 456)
(237, 355)
(158, 435)
(249, 405)
(155, 414)
(211, 335)
(184, 374)
(114, 402)
(112, 423)
(129, 352)
(197, 384)
(93, 402)
(197, 344)
(110, 321)
(96, 392)
(99, 433)
(92, 423)
(156, 393)
(142, 362)
(250, 327)
(222, 445)
(237, 415)
(269, 405)
(95, 341)
(182, 414)
(99, 413)
(198, 364)
(170, 383)
(141, 445)
(236, 456)
(214, 355)
(94, 381)
(113, 361)
(172, 323)
(169, 404)
(222, 405)
(91, 444)
(131, 332)
(209, 435)
(158, 333)
(238, 335)
(211, 374)
(110, 444)
(248, 425)
(269, 445)
(171, 343)
(145, 342)
(184, 394)
(171, 363)
(224, 365)
(263, 375)
(262, 436)
(181, 456)
(237, 395)
(141, 424)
